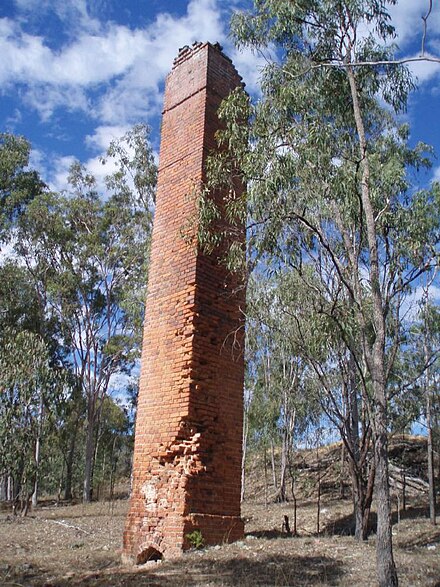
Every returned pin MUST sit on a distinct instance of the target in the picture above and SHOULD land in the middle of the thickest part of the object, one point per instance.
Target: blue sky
(76, 73)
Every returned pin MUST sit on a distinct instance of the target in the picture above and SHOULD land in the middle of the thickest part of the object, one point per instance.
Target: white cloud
(7, 251)
(407, 18)
(46, 99)
(36, 159)
(100, 141)
(58, 172)
(249, 66)
(132, 98)
(411, 304)
(120, 383)
(89, 60)
(103, 135)
(13, 119)
(111, 73)
(122, 68)
(76, 14)
(55, 169)
(424, 71)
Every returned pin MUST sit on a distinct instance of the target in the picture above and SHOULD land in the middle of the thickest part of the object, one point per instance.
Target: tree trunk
(10, 488)
(341, 473)
(113, 465)
(283, 469)
(61, 482)
(272, 462)
(4, 487)
(375, 359)
(431, 478)
(295, 530)
(38, 451)
(89, 458)
(98, 437)
(358, 510)
(429, 443)
(318, 505)
(243, 456)
(37, 465)
(385, 561)
(69, 464)
(18, 483)
(367, 502)
(358, 464)
(265, 475)
(363, 486)
(386, 568)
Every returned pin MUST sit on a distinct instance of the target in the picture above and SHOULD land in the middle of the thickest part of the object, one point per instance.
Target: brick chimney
(188, 442)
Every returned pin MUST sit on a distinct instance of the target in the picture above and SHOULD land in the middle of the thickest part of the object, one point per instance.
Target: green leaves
(18, 185)
(329, 172)
(77, 284)
(28, 384)
(136, 172)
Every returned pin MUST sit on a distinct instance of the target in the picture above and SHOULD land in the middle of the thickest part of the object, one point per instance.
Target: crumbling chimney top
(186, 51)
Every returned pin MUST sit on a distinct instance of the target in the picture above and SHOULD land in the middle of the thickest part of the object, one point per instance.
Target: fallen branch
(66, 525)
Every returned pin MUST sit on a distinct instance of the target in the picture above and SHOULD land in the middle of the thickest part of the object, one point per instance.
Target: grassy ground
(80, 545)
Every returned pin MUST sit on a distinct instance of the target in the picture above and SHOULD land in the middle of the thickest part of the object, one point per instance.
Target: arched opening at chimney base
(149, 554)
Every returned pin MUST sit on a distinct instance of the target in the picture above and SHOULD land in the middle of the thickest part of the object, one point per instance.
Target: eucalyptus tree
(284, 402)
(28, 386)
(431, 349)
(332, 378)
(421, 359)
(326, 165)
(88, 256)
(113, 445)
(24, 326)
(18, 183)
(261, 403)
(19, 307)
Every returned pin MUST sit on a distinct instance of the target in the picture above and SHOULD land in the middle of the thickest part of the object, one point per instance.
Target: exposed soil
(80, 545)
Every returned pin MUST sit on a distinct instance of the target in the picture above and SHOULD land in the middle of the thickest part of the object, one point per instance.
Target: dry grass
(80, 545)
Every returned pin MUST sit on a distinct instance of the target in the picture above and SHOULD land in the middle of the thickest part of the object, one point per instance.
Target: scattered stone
(152, 563)
(25, 568)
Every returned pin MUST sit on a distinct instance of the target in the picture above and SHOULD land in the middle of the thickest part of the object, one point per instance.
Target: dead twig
(66, 525)
(425, 27)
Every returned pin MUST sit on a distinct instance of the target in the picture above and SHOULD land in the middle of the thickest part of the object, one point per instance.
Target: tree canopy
(331, 198)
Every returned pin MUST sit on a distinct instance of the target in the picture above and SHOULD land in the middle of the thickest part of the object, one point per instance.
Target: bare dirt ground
(80, 545)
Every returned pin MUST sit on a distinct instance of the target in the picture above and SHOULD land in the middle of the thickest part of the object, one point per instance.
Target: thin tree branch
(425, 27)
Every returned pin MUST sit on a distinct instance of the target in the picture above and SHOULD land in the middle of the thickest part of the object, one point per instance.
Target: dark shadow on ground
(344, 526)
(244, 571)
(431, 536)
(268, 534)
(411, 513)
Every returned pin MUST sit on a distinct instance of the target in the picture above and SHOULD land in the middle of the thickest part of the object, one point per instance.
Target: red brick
(187, 456)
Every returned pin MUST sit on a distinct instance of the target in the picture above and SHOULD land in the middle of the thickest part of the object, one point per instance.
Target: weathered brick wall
(187, 456)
